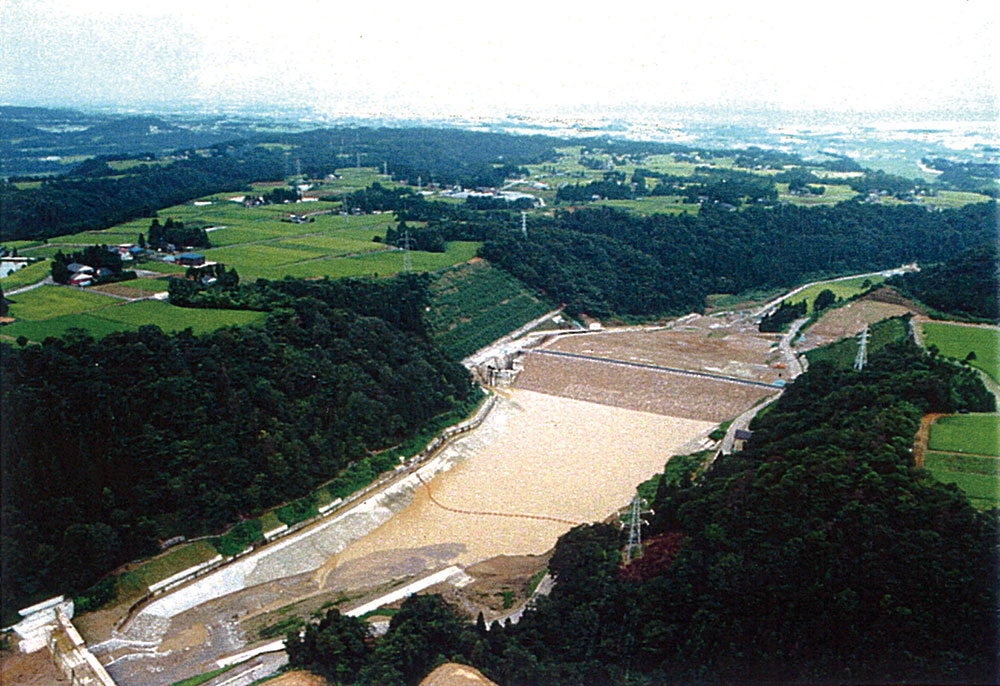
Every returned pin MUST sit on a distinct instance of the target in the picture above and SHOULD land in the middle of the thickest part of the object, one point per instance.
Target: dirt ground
(633, 388)
(298, 678)
(847, 321)
(923, 434)
(727, 345)
(36, 669)
(492, 580)
(452, 674)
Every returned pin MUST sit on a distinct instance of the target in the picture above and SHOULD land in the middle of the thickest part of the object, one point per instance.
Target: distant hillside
(965, 286)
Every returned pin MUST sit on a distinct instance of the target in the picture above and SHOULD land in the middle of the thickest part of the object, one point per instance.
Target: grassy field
(964, 450)
(26, 276)
(136, 288)
(171, 318)
(474, 304)
(381, 263)
(19, 245)
(843, 352)
(48, 302)
(53, 310)
(653, 204)
(982, 490)
(947, 199)
(135, 581)
(842, 289)
(58, 326)
(834, 193)
(978, 434)
(957, 341)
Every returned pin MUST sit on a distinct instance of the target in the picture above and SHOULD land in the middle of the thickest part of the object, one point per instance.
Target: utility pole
(862, 359)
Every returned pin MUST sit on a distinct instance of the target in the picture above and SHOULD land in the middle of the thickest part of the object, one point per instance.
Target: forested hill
(818, 555)
(607, 262)
(109, 446)
(966, 285)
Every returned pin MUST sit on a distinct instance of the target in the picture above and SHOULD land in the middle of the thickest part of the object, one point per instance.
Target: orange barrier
(492, 514)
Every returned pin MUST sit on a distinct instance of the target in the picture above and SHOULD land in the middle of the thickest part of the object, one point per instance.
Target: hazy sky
(421, 58)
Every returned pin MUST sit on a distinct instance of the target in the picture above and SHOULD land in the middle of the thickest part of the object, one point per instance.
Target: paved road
(773, 304)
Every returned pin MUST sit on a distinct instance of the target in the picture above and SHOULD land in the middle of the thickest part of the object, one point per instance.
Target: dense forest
(143, 435)
(607, 262)
(966, 285)
(819, 554)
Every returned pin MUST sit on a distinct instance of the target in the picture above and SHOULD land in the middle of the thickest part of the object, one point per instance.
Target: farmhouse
(191, 259)
(81, 279)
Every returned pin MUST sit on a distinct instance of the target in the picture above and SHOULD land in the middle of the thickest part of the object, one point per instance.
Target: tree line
(965, 285)
(606, 262)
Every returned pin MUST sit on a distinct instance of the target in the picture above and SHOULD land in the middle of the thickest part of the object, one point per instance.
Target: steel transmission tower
(634, 547)
(862, 359)
(524, 223)
(405, 242)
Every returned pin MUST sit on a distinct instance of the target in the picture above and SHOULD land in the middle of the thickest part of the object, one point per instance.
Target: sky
(476, 59)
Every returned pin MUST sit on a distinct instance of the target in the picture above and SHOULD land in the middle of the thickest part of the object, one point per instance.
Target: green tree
(825, 298)
(337, 647)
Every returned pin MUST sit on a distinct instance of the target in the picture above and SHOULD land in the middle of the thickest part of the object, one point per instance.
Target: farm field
(25, 276)
(958, 341)
(383, 263)
(47, 302)
(474, 304)
(255, 242)
(964, 450)
(983, 490)
(728, 345)
(53, 310)
(946, 199)
(977, 434)
(834, 193)
(653, 205)
(136, 288)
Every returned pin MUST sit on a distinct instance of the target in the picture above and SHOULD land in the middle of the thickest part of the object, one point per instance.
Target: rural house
(191, 259)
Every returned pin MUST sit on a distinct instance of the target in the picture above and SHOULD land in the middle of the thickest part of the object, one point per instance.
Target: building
(191, 259)
(77, 268)
(81, 279)
(740, 437)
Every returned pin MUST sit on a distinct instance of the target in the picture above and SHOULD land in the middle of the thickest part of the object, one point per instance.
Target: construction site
(576, 418)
